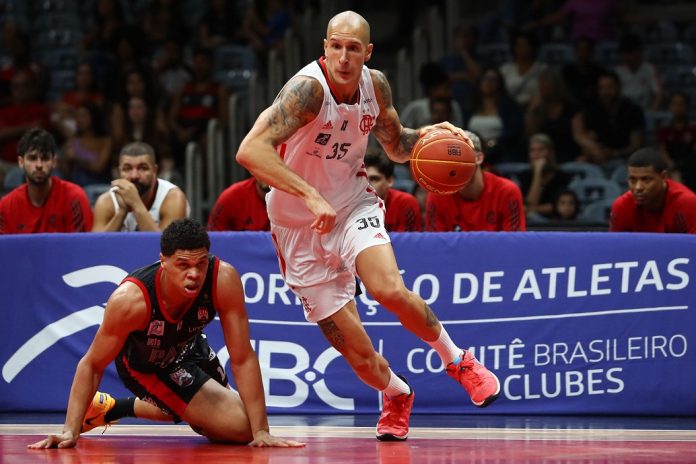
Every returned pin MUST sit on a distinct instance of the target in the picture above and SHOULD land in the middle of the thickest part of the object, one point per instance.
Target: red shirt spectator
(241, 206)
(498, 207)
(677, 214)
(403, 212)
(66, 209)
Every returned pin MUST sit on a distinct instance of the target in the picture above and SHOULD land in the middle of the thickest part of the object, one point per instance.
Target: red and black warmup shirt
(239, 207)
(403, 212)
(165, 340)
(498, 208)
(66, 210)
(678, 214)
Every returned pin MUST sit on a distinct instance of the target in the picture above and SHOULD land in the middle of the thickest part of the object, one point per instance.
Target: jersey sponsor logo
(380, 236)
(322, 138)
(314, 153)
(344, 125)
(367, 100)
(202, 314)
(154, 342)
(156, 328)
(181, 377)
(327, 126)
(366, 123)
(305, 304)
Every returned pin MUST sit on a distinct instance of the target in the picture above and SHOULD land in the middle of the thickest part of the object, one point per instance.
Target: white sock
(396, 386)
(445, 347)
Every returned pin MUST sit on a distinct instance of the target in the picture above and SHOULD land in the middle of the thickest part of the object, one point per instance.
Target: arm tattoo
(297, 104)
(332, 333)
(388, 130)
(430, 318)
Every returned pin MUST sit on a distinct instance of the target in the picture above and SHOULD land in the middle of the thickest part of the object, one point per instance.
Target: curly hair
(184, 234)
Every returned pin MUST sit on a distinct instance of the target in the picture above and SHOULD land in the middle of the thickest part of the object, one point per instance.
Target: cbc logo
(301, 373)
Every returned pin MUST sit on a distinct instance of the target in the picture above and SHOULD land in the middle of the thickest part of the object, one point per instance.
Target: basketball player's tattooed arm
(297, 104)
(397, 140)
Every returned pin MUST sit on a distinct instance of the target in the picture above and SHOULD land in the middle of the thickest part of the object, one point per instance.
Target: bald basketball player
(327, 223)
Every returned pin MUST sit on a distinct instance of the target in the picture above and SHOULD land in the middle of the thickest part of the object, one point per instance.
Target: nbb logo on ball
(286, 364)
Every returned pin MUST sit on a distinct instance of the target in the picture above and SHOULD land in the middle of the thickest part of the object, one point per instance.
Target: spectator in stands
(44, 203)
(463, 65)
(18, 61)
(551, 112)
(87, 155)
(544, 181)
(103, 24)
(639, 79)
(440, 110)
(522, 73)
(241, 206)
(264, 26)
(86, 90)
(596, 19)
(487, 203)
(496, 118)
(610, 129)
(136, 83)
(403, 212)
(172, 74)
(654, 203)
(677, 141)
(221, 25)
(24, 112)
(566, 206)
(141, 126)
(162, 20)
(197, 103)
(139, 200)
(436, 85)
(581, 75)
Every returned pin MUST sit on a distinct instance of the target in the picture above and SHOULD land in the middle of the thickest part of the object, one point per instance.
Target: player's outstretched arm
(397, 140)
(297, 104)
(243, 361)
(125, 312)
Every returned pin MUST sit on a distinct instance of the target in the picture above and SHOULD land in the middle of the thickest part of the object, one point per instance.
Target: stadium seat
(597, 211)
(661, 54)
(620, 176)
(512, 170)
(607, 53)
(595, 188)
(495, 53)
(94, 190)
(13, 178)
(556, 54)
(582, 170)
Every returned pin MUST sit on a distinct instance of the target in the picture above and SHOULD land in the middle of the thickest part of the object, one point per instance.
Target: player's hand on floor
(264, 439)
(64, 440)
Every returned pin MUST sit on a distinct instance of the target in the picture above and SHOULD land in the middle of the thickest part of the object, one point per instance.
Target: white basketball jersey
(163, 187)
(328, 153)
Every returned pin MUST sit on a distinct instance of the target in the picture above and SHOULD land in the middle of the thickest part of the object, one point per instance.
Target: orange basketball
(442, 162)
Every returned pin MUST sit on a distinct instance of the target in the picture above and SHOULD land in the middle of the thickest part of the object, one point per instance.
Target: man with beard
(653, 203)
(44, 203)
(139, 201)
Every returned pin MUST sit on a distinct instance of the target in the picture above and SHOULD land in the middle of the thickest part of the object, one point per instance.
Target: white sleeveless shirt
(163, 187)
(328, 153)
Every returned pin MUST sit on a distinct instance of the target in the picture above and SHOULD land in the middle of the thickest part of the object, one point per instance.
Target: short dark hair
(647, 157)
(37, 139)
(184, 234)
(138, 149)
(378, 159)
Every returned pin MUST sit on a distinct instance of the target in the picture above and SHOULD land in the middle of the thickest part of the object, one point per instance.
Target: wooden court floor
(432, 440)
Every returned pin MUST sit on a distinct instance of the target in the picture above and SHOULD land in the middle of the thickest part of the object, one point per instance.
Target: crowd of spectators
(573, 93)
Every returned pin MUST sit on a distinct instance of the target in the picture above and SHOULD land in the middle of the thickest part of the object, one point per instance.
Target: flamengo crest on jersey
(328, 152)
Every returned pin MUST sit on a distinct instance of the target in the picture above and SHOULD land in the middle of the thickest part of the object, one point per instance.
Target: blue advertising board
(572, 323)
